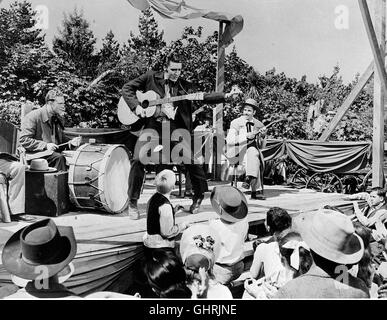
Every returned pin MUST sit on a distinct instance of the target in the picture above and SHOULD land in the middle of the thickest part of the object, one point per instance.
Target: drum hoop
(101, 180)
(71, 174)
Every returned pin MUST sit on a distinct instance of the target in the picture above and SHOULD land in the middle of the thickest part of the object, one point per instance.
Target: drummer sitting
(42, 131)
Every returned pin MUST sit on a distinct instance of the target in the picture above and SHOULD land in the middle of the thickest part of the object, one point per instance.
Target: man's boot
(134, 213)
(196, 202)
(257, 195)
(188, 194)
(246, 183)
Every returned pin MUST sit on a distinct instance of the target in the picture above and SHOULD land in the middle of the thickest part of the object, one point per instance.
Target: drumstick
(62, 144)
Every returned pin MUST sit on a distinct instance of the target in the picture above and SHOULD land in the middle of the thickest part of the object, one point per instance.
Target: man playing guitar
(244, 140)
(179, 115)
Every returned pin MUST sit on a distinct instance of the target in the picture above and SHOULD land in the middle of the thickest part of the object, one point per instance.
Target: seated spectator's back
(335, 248)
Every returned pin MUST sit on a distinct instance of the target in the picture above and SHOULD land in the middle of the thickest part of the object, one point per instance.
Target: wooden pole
(376, 33)
(348, 102)
(218, 110)
(374, 36)
(366, 76)
(379, 96)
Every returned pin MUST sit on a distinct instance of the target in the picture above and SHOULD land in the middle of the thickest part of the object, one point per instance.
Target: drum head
(115, 179)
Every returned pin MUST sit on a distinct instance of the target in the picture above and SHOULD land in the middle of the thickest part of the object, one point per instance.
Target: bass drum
(98, 177)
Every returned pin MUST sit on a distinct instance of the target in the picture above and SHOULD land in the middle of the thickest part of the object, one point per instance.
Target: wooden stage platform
(109, 244)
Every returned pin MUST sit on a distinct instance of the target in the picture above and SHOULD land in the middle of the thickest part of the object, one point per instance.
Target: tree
(110, 54)
(149, 42)
(17, 25)
(76, 43)
(23, 54)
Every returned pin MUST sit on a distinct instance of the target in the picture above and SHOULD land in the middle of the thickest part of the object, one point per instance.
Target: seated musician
(42, 130)
(244, 139)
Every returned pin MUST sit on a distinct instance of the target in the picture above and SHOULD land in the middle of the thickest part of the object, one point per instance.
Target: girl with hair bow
(296, 260)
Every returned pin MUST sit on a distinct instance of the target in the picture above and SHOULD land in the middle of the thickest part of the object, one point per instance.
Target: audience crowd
(324, 254)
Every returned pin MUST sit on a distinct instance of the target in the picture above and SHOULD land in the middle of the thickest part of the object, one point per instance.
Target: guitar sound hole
(145, 104)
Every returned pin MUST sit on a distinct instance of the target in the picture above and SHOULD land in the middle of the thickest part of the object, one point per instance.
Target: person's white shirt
(268, 258)
(232, 236)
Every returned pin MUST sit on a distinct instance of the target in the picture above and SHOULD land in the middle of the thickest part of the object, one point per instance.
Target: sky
(297, 37)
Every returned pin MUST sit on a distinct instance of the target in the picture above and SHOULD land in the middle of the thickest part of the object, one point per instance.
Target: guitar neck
(169, 100)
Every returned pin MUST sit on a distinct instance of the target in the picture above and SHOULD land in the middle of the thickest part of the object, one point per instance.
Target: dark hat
(229, 203)
(251, 102)
(39, 244)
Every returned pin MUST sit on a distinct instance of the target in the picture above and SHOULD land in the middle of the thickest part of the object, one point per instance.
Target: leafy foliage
(17, 28)
(149, 42)
(76, 44)
(92, 79)
(109, 55)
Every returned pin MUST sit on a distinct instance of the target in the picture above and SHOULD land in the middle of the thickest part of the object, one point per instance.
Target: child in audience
(266, 255)
(365, 269)
(161, 226)
(199, 248)
(166, 275)
(295, 260)
(232, 226)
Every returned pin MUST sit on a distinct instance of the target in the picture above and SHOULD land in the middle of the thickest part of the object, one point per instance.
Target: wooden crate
(47, 194)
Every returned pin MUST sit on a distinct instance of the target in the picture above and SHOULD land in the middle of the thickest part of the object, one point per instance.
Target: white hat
(332, 236)
(199, 247)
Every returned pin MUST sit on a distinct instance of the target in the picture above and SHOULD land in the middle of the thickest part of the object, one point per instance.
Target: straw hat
(331, 235)
(40, 165)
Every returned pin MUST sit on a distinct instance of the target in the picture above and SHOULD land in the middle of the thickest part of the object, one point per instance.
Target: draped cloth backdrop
(180, 10)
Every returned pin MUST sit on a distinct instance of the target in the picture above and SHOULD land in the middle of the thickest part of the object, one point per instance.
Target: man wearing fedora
(37, 254)
(244, 140)
(14, 173)
(42, 130)
(232, 226)
(335, 248)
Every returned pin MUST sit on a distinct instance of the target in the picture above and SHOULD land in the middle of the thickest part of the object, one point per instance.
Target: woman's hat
(40, 165)
(199, 247)
(332, 236)
(229, 203)
(39, 244)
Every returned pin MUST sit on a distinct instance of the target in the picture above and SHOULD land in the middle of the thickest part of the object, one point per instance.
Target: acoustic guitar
(233, 151)
(152, 105)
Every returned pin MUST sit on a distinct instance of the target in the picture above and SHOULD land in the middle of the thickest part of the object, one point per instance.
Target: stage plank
(102, 231)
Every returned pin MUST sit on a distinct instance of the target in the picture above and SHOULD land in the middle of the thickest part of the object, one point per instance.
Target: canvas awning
(180, 10)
